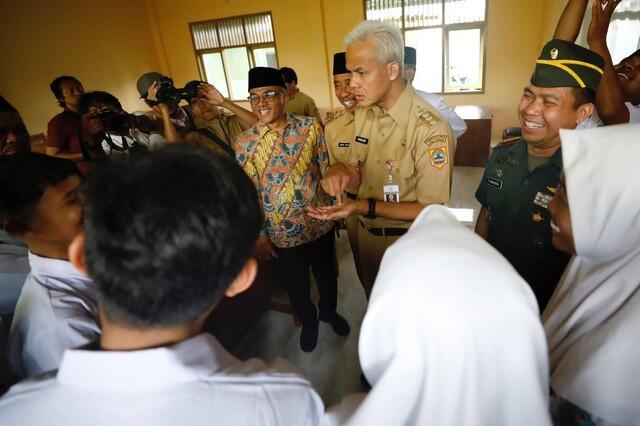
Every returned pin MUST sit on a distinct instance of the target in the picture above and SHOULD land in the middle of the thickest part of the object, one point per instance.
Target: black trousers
(292, 266)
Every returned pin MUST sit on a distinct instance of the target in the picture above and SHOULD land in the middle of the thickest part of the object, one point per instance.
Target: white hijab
(452, 336)
(593, 319)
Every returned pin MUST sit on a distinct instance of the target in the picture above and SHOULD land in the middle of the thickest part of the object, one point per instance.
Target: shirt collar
(55, 268)
(399, 111)
(519, 149)
(263, 129)
(188, 361)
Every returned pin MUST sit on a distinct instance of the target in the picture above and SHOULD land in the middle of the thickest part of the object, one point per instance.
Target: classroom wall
(109, 43)
(106, 44)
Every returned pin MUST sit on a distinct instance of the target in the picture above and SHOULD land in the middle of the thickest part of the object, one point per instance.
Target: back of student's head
(289, 75)
(24, 178)
(167, 233)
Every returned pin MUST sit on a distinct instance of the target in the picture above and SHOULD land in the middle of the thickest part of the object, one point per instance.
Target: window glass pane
(460, 11)
(428, 44)
(259, 29)
(204, 35)
(422, 13)
(231, 32)
(623, 38)
(214, 72)
(465, 63)
(265, 57)
(237, 63)
(385, 10)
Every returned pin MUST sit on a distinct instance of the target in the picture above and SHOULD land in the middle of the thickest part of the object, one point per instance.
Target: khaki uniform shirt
(226, 128)
(416, 140)
(338, 133)
(303, 104)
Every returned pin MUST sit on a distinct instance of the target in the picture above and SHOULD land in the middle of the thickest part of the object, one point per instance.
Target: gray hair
(387, 38)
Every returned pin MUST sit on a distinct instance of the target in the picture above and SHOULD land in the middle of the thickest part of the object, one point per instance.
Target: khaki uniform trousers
(371, 248)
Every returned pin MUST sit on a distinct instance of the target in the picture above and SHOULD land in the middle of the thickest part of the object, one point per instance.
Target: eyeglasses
(269, 97)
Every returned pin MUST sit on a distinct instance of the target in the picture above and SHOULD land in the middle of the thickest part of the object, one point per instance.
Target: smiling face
(544, 111)
(343, 92)
(561, 228)
(268, 104)
(371, 80)
(628, 72)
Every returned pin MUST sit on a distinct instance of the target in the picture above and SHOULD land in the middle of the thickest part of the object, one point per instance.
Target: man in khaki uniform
(299, 102)
(339, 128)
(400, 159)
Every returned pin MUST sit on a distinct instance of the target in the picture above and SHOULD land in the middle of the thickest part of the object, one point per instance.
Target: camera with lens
(113, 121)
(169, 94)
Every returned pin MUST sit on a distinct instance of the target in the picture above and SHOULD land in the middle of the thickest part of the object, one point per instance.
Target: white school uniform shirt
(451, 337)
(592, 321)
(195, 382)
(57, 310)
(594, 120)
(14, 268)
(457, 124)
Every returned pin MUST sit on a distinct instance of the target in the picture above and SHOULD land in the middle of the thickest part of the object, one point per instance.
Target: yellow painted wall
(298, 28)
(513, 44)
(106, 44)
(552, 11)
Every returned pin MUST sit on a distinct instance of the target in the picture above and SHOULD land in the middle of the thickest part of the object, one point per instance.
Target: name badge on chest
(496, 183)
(542, 200)
(390, 191)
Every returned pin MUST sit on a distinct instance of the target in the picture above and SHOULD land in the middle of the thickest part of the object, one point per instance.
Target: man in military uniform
(521, 177)
(457, 124)
(402, 149)
(339, 136)
(299, 102)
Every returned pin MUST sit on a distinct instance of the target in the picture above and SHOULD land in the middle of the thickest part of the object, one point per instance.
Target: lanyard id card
(390, 191)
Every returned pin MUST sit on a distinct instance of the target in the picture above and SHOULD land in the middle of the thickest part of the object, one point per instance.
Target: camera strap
(216, 139)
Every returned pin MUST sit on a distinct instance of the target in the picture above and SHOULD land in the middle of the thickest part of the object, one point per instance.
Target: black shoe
(309, 336)
(364, 381)
(338, 323)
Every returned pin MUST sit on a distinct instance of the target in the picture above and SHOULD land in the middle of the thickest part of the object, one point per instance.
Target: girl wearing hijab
(593, 319)
(452, 336)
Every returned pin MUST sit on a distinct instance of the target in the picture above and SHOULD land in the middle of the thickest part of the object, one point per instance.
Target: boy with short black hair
(40, 204)
(166, 235)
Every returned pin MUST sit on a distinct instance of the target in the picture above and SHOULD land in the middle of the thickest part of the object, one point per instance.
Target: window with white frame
(448, 35)
(227, 48)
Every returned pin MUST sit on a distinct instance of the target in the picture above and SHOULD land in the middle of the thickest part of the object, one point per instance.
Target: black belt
(351, 196)
(384, 232)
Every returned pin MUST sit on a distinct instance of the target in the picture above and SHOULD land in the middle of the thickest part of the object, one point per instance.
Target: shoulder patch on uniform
(507, 142)
(332, 115)
(436, 139)
(438, 157)
(427, 117)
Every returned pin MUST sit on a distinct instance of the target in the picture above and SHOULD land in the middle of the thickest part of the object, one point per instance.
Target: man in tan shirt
(299, 102)
(400, 159)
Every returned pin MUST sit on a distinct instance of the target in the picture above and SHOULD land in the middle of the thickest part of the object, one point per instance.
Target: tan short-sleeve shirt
(338, 133)
(415, 140)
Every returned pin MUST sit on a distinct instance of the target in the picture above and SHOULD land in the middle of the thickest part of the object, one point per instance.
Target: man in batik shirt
(285, 156)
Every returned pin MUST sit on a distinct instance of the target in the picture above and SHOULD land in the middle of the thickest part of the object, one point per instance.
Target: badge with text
(390, 191)
(542, 200)
(496, 183)
(344, 144)
(438, 157)
(362, 140)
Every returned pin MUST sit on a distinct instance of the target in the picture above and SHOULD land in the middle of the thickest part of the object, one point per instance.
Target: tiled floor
(333, 367)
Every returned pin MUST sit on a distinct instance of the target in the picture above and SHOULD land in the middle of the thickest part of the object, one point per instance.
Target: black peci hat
(340, 63)
(265, 76)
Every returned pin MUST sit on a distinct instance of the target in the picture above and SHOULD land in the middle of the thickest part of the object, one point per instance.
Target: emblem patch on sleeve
(438, 157)
(436, 139)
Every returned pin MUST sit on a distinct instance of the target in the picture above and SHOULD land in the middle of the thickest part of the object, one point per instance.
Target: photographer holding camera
(107, 130)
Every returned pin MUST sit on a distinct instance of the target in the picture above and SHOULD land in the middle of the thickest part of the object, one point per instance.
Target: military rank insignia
(438, 157)
(542, 200)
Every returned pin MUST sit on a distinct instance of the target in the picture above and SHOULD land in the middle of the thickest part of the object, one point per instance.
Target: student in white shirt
(166, 236)
(40, 203)
(451, 336)
(592, 321)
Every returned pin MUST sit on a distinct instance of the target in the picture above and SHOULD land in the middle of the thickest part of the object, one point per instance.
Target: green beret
(565, 64)
(410, 56)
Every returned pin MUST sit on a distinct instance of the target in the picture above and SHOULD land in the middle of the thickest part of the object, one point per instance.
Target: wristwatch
(371, 214)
